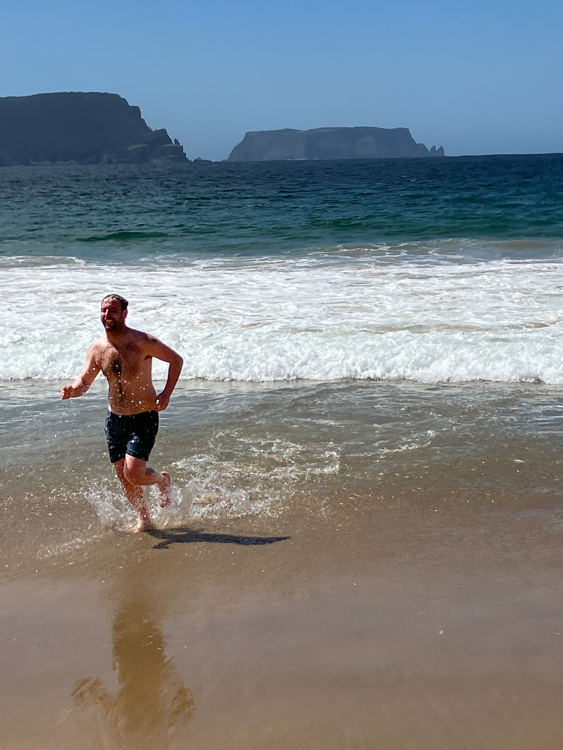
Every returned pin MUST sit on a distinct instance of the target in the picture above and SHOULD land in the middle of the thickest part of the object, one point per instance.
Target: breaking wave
(298, 318)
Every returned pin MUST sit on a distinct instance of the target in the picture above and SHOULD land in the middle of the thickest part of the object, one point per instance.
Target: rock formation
(86, 128)
(330, 143)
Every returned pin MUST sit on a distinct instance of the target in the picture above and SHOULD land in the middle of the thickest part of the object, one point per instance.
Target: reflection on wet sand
(152, 701)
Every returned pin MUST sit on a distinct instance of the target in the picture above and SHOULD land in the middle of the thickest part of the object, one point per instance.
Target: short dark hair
(122, 301)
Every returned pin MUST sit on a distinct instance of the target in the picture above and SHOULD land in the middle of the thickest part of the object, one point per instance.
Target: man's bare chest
(122, 362)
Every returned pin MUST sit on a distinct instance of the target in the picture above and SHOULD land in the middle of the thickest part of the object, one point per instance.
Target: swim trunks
(133, 434)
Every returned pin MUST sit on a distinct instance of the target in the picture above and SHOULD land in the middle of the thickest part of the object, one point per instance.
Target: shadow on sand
(187, 536)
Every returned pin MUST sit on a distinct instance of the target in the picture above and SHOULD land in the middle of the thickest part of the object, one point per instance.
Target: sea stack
(84, 128)
(330, 143)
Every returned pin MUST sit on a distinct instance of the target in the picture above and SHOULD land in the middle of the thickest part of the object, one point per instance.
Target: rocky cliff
(330, 143)
(88, 128)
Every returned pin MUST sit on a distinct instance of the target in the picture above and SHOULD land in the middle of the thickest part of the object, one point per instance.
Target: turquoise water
(125, 213)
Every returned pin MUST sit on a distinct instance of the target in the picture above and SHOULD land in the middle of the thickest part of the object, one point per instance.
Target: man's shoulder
(98, 345)
(140, 337)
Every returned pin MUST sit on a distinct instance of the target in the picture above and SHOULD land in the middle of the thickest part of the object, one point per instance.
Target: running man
(125, 356)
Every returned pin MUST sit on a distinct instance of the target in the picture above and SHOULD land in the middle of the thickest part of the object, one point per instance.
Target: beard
(112, 325)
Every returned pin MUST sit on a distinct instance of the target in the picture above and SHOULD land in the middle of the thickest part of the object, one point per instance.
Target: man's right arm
(85, 379)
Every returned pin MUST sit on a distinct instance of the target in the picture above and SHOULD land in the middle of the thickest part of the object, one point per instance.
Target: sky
(476, 76)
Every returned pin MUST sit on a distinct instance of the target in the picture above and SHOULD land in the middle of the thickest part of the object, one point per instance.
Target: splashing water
(199, 499)
(111, 507)
(260, 481)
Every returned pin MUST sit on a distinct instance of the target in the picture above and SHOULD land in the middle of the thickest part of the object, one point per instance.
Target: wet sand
(406, 623)
(352, 565)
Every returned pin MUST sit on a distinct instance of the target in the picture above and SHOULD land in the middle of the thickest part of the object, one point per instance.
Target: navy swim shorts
(133, 434)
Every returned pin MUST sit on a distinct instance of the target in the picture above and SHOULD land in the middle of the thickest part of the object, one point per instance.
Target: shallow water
(274, 450)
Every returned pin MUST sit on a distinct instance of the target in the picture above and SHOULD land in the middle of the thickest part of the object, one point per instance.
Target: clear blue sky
(477, 76)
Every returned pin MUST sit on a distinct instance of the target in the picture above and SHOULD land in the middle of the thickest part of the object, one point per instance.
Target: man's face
(112, 316)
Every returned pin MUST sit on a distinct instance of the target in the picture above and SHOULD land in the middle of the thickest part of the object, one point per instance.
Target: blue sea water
(122, 213)
(385, 324)
(276, 207)
(449, 268)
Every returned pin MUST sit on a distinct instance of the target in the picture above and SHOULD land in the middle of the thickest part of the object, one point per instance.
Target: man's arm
(158, 350)
(85, 379)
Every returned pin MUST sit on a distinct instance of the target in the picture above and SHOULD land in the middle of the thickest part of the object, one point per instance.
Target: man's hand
(157, 349)
(66, 392)
(162, 401)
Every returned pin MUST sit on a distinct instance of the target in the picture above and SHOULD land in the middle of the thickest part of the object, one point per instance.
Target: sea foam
(291, 318)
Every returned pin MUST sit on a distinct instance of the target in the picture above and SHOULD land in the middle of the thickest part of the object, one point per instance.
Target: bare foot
(165, 490)
(145, 524)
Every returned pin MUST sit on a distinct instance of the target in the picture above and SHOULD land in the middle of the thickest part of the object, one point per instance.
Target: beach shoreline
(397, 626)
(366, 448)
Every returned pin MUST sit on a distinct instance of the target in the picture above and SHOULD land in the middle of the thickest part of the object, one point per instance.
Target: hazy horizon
(477, 78)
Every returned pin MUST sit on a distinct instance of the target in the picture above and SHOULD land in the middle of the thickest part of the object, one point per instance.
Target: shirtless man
(125, 358)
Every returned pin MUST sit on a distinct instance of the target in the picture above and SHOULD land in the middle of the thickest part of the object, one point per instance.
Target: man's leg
(134, 493)
(138, 473)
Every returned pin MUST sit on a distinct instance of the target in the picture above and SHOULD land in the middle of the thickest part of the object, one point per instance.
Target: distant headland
(100, 128)
(84, 128)
(330, 143)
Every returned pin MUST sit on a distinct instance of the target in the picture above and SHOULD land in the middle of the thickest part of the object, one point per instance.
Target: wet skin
(125, 356)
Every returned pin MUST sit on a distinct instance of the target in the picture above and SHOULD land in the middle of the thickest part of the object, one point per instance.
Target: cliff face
(87, 128)
(330, 143)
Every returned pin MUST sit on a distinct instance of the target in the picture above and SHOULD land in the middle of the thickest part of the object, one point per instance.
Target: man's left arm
(158, 350)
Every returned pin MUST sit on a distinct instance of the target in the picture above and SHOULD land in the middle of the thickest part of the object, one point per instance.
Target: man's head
(114, 312)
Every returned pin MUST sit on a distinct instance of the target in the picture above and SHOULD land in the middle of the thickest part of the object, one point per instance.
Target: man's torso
(128, 369)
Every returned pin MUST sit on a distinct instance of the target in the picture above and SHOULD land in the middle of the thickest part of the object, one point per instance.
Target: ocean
(363, 341)
(381, 319)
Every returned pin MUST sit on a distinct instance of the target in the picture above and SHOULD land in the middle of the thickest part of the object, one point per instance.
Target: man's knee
(134, 470)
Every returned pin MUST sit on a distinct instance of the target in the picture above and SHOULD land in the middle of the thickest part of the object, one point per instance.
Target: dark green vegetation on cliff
(87, 128)
(330, 143)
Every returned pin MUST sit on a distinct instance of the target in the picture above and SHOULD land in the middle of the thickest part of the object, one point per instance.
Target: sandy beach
(398, 627)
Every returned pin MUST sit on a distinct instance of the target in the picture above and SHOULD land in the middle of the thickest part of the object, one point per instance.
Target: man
(125, 358)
